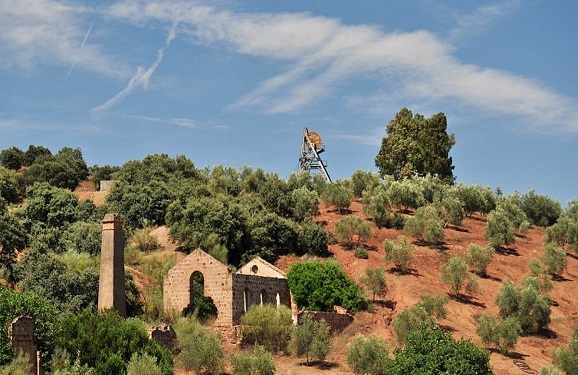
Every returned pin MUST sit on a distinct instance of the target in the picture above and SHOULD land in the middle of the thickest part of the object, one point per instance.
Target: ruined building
(233, 293)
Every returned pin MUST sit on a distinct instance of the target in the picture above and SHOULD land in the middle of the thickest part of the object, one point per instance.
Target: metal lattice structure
(309, 159)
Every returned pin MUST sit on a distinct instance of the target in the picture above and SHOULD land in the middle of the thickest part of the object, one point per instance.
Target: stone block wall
(21, 335)
(249, 290)
(336, 321)
(218, 282)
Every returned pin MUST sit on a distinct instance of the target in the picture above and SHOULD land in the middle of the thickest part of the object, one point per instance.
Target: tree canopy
(416, 145)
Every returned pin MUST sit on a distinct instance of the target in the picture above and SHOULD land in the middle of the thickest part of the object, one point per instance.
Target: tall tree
(416, 145)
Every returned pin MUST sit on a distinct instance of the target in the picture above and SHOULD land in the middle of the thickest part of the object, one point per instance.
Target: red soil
(404, 291)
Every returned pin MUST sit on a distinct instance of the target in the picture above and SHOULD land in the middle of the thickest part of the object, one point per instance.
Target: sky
(234, 82)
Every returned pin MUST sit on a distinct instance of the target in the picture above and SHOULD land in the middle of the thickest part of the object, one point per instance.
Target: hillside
(404, 290)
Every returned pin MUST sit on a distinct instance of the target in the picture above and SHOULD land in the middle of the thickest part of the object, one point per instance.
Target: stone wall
(164, 335)
(336, 321)
(232, 293)
(249, 290)
(218, 281)
(21, 336)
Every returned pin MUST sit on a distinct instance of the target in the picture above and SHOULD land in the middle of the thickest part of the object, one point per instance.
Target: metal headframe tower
(309, 159)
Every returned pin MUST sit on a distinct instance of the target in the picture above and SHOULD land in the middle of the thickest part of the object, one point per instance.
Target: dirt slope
(404, 290)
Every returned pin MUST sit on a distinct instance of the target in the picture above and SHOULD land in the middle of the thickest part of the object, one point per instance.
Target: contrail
(81, 46)
(141, 77)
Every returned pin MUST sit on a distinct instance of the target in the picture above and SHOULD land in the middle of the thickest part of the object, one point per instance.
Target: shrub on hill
(405, 194)
(201, 350)
(525, 303)
(376, 205)
(320, 286)
(337, 195)
(499, 229)
(64, 170)
(311, 339)
(567, 358)
(107, 342)
(564, 233)
(374, 281)
(479, 258)
(540, 209)
(363, 181)
(45, 317)
(431, 351)
(455, 274)
(350, 228)
(12, 158)
(8, 185)
(398, 251)
(425, 311)
(259, 362)
(554, 259)
(502, 333)
(268, 326)
(368, 355)
(426, 225)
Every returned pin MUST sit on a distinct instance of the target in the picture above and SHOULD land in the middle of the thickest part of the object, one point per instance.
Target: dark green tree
(45, 316)
(12, 158)
(416, 145)
(35, 154)
(13, 238)
(107, 342)
(431, 351)
(320, 286)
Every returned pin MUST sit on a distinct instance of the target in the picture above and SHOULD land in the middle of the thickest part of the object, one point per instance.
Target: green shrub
(550, 370)
(374, 281)
(320, 286)
(399, 252)
(540, 209)
(349, 228)
(368, 356)
(524, 302)
(410, 320)
(435, 306)
(45, 315)
(20, 365)
(312, 339)
(502, 333)
(313, 239)
(426, 225)
(499, 229)
(260, 362)
(430, 351)
(143, 364)
(377, 206)
(107, 342)
(337, 195)
(268, 326)
(455, 274)
(305, 203)
(361, 253)
(567, 358)
(201, 350)
(554, 259)
(479, 258)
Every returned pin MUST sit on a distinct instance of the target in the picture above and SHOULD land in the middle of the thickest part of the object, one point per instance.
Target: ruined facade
(258, 282)
(21, 336)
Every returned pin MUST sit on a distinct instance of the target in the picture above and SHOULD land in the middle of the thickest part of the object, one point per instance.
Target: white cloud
(141, 77)
(35, 32)
(482, 18)
(181, 122)
(323, 53)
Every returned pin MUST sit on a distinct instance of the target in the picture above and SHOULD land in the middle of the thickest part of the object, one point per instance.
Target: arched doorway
(203, 307)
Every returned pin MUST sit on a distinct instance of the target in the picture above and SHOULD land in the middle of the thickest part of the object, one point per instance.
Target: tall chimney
(111, 291)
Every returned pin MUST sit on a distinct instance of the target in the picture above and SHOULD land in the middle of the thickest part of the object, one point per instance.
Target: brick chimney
(111, 291)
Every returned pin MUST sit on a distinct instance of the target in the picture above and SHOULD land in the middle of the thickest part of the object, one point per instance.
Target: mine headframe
(309, 159)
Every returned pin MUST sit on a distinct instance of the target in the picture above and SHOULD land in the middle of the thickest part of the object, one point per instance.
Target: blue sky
(234, 82)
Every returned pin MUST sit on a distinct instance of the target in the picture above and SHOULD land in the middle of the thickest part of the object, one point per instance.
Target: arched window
(246, 300)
